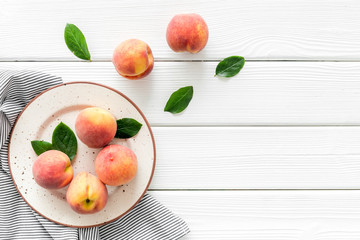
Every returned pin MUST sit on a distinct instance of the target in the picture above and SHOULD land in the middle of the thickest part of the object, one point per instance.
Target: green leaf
(76, 42)
(64, 140)
(41, 146)
(127, 128)
(230, 66)
(179, 100)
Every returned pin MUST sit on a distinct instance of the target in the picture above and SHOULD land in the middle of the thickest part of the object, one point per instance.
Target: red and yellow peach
(86, 194)
(133, 59)
(116, 165)
(95, 127)
(187, 32)
(52, 170)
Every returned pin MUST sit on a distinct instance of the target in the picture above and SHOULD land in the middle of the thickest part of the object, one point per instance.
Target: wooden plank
(257, 158)
(267, 215)
(255, 29)
(264, 93)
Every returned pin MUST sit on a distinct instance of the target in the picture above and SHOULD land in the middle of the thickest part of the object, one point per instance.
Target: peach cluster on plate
(115, 165)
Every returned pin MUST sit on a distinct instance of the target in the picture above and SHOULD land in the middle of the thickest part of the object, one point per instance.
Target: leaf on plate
(76, 42)
(179, 100)
(230, 66)
(127, 128)
(64, 140)
(41, 146)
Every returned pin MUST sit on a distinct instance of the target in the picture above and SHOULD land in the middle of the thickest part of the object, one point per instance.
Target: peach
(116, 165)
(187, 32)
(95, 127)
(86, 194)
(133, 59)
(52, 170)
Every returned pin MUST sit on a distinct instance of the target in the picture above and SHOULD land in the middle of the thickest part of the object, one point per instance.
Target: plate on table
(62, 103)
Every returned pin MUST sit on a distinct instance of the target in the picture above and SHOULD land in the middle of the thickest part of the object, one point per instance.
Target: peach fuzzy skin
(116, 165)
(86, 194)
(133, 59)
(187, 32)
(52, 170)
(95, 127)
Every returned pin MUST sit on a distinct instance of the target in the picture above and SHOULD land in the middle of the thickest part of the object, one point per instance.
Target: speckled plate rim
(132, 103)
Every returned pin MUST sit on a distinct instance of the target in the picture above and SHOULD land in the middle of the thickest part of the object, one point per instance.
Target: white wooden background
(271, 154)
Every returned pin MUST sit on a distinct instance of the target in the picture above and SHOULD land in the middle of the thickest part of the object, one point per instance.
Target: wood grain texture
(267, 215)
(224, 157)
(255, 29)
(264, 93)
(257, 158)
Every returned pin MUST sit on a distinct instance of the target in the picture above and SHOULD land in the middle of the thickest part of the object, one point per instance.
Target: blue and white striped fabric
(148, 220)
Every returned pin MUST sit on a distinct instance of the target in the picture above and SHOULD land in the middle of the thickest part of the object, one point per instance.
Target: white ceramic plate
(37, 122)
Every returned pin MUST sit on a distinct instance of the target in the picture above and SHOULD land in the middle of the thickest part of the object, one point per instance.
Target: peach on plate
(95, 127)
(86, 194)
(116, 165)
(52, 170)
(187, 32)
(133, 59)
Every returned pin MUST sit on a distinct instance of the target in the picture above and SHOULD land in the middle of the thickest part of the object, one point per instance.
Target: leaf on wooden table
(76, 42)
(179, 100)
(230, 66)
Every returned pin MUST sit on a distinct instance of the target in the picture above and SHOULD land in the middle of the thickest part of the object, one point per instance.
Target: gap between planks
(249, 189)
(250, 125)
(189, 60)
